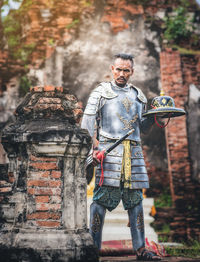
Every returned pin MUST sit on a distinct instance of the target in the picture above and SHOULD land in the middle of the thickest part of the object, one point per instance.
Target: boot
(136, 219)
(97, 215)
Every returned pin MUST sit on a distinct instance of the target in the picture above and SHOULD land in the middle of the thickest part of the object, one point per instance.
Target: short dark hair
(125, 57)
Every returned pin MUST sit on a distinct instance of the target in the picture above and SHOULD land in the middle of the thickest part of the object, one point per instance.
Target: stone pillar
(176, 131)
(47, 150)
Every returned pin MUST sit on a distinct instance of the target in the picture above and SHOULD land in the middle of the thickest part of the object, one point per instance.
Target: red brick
(5, 189)
(42, 199)
(39, 183)
(39, 174)
(43, 183)
(55, 183)
(47, 191)
(78, 112)
(49, 88)
(36, 89)
(31, 191)
(56, 174)
(70, 97)
(59, 88)
(48, 223)
(43, 166)
(3, 182)
(43, 192)
(45, 206)
(42, 159)
(11, 179)
(44, 215)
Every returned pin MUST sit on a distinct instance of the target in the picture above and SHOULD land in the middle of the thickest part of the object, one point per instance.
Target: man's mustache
(121, 78)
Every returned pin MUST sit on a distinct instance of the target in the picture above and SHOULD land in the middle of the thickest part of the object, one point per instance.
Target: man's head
(122, 68)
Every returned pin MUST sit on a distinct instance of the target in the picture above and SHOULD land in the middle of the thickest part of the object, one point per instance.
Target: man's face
(122, 70)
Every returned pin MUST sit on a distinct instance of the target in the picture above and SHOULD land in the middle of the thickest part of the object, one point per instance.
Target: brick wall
(177, 73)
(44, 187)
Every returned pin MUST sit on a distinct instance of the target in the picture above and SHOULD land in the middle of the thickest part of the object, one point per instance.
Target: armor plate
(119, 110)
(120, 114)
(112, 167)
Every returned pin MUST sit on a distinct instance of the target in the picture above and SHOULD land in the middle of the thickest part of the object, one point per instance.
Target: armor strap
(159, 125)
(101, 157)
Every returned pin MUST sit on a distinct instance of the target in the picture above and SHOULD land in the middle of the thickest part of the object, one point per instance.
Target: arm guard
(94, 103)
(145, 122)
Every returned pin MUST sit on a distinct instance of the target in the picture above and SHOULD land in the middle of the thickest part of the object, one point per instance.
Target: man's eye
(126, 70)
(118, 69)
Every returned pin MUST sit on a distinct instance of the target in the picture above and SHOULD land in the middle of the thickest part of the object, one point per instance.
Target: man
(113, 109)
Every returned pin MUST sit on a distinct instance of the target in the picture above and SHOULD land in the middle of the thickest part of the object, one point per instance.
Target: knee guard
(97, 215)
(136, 219)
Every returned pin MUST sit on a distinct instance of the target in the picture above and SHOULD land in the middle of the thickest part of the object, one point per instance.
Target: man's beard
(121, 84)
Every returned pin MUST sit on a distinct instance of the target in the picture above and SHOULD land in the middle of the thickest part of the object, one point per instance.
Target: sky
(13, 5)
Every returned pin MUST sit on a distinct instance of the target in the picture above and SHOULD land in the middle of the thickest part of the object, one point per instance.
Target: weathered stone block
(49, 218)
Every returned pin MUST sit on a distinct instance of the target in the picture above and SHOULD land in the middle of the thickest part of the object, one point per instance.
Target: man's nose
(122, 73)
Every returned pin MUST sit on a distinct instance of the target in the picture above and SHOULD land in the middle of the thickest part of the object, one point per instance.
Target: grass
(186, 51)
(191, 250)
(164, 200)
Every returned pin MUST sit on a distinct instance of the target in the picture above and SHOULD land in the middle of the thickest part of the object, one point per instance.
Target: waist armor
(120, 114)
(112, 167)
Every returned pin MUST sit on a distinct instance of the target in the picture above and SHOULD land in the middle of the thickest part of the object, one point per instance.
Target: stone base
(39, 246)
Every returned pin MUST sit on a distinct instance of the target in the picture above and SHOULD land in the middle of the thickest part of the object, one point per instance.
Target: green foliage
(179, 26)
(24, 85)
(164, 200)
(87, 3)
(12, 32)
(187, 250)
(138, 2)
(12, 29)
(163, 238)
(166, 228)
(73, 23)
(163, 231)
(186, 51)
(23, 53)
(51, 42)
(25, 6)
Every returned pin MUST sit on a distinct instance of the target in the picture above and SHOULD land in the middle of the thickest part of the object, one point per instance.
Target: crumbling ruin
(43, 197)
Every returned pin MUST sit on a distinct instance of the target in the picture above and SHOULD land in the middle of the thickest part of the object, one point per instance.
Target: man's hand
(95, 159)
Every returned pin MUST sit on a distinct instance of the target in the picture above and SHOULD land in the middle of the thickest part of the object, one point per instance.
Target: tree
(5, 4)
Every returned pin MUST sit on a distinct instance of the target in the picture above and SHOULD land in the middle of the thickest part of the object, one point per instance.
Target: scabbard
(108, 150)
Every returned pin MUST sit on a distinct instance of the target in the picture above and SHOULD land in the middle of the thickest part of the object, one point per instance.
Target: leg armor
(137, 226)
(97, 215)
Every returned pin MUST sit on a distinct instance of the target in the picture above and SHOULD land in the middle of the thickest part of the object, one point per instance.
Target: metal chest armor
(120, 114)
(118, 110)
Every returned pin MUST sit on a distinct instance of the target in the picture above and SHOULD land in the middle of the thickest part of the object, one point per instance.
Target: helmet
(164, 107)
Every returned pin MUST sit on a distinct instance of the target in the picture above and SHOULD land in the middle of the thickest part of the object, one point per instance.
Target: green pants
(109, 197)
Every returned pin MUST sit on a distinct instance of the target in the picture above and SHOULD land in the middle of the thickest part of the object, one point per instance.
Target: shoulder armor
(140, 95)
(106, 90)
(102, 90)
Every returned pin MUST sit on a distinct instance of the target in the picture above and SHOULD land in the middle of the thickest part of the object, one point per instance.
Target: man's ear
(112, 67)
(132, 71)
